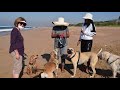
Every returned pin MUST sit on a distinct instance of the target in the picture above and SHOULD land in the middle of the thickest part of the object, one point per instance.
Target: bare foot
(63, 70)
(87, 71)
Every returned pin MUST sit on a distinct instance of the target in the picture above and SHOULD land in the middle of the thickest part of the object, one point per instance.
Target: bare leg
(63, 63)
(15, 75)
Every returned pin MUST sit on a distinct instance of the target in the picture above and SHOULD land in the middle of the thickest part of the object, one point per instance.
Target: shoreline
(5, 33)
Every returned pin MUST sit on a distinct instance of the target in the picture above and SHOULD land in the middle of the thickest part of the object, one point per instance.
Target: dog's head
(70, 52)
(53, 54)
(33, 59)
(104, 55)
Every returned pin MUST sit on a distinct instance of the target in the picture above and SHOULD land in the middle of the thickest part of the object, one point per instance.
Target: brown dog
(80, 58)
(32, 66)
(51, 66)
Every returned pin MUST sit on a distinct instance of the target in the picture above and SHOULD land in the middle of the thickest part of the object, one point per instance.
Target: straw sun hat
(60, 22)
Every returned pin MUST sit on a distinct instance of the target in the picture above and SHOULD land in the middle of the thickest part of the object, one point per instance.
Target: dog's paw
(72, 76)
(92, 76)
(56, 76)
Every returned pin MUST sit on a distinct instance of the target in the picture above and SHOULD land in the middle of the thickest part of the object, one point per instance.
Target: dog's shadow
(68, 67)
(104, 73)
(46, 56)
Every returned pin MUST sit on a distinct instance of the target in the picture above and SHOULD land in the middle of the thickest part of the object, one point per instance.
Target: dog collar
(108, 58)
(114, 60)
(73, 56)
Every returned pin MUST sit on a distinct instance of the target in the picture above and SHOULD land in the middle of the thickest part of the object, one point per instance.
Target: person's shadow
(46, 56)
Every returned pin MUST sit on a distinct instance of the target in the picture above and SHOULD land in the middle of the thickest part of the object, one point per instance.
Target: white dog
(112, 59)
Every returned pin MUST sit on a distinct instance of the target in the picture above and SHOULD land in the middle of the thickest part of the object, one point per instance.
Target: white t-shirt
(88, 34)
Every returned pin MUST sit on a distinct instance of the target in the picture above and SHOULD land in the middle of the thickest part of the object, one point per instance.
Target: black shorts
(86, 45)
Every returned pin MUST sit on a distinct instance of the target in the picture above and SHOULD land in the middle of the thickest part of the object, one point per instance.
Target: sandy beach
(39, 41)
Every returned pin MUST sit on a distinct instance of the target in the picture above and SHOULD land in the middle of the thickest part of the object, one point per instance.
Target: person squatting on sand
(17, 46)
(60, 33)
(87, 33)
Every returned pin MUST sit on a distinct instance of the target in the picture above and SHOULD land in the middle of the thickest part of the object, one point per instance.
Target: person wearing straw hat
(60, 33)
(87, 33)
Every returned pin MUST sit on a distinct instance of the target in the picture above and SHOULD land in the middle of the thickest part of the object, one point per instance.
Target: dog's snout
(69, 51)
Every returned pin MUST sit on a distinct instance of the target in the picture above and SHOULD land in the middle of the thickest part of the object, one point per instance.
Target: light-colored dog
(51, 66)
(112, 59)
(82, 57)
(32, 66)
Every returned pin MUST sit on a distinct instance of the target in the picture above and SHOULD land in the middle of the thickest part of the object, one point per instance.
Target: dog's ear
(105, 55)
(31, 58)
(55, 56)
(56, 50)
(36, 57)
(51, 54)
(72, 49)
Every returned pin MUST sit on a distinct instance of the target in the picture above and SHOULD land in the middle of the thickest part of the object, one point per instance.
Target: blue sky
(36, 19)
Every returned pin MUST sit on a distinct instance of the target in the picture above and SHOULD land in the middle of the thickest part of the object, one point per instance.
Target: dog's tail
(99, 51)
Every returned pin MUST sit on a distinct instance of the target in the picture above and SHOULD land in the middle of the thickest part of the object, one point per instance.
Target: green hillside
(115, 22)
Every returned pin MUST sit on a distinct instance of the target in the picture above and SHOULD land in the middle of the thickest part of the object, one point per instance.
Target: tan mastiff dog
(78, 58)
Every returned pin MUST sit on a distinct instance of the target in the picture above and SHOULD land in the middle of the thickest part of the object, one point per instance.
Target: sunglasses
(22, 23)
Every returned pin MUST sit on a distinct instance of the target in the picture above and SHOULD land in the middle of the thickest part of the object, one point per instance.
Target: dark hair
(93, 26)
(91, 22)
(19, 19)
(59, 27)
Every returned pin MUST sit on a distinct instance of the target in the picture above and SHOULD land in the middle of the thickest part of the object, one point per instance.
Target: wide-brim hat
(88, 16)
(60, 22)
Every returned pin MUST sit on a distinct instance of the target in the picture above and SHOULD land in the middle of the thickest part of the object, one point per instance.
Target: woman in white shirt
(87, 33)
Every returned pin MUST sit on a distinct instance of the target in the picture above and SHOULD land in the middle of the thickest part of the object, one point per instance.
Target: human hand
(57, 36)
(17, 56)
(82, 31)
(78, 42)
(62, 35)
(25, 55)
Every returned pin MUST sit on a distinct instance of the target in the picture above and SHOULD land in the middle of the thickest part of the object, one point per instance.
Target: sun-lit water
(4, 30)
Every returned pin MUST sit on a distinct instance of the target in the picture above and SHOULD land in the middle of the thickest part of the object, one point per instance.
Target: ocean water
(5, 30)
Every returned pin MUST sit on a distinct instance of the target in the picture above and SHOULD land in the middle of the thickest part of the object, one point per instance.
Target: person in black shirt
(17, 45)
